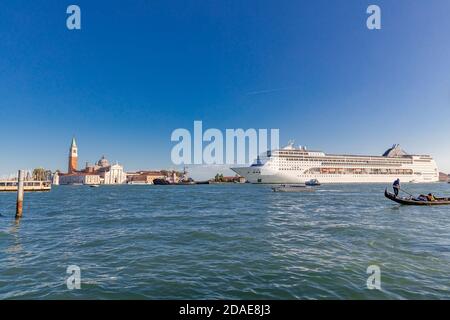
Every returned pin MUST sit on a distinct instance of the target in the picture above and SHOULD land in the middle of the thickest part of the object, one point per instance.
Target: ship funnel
(290, 145)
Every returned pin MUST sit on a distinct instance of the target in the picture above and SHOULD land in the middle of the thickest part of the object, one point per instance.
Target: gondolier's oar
(406, 192)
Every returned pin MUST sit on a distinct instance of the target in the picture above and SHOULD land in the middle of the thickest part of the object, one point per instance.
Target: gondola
(412, 202)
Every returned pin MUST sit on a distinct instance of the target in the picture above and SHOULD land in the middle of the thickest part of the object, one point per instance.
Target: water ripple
(223, 241)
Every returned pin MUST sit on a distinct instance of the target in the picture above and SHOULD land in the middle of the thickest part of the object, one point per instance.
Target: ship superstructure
(298, 165)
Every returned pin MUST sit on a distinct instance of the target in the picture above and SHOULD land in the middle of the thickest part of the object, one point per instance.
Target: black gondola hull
(411, 202)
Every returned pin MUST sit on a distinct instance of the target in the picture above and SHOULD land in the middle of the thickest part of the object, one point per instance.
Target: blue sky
(140, 69)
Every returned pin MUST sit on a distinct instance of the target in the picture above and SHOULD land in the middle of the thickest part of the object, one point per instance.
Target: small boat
(202, 182)
(186, 182)
(163, 182)
(292, 188)
(312, 183)
(415, 202)
(94, 186)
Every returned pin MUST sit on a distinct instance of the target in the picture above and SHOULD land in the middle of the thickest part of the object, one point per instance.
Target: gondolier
(396, 186)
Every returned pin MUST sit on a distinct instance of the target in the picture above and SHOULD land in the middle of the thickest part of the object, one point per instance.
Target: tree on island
(40, 174)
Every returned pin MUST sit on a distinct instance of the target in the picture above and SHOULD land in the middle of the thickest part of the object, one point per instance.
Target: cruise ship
(298, 165)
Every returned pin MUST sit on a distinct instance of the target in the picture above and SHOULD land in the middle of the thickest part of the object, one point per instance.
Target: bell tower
(73, 157)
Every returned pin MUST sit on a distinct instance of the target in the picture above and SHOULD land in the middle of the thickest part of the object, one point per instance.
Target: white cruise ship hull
(277, 178)
(297, 165)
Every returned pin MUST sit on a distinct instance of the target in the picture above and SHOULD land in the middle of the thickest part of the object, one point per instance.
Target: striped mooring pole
(20, 190)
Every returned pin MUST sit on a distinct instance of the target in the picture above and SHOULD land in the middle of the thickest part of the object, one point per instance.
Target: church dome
(103, 162)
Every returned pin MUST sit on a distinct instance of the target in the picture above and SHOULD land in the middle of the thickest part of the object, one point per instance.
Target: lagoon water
(223, 242)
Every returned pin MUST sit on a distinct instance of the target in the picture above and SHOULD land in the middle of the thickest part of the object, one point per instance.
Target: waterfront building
(80, 178)
(443, 177)
(114, 175)
(234, 179)
(100, 173)
(144, 177)
(219, 178)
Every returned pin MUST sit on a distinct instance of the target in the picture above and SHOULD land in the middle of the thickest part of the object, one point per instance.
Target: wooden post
(20, 190)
